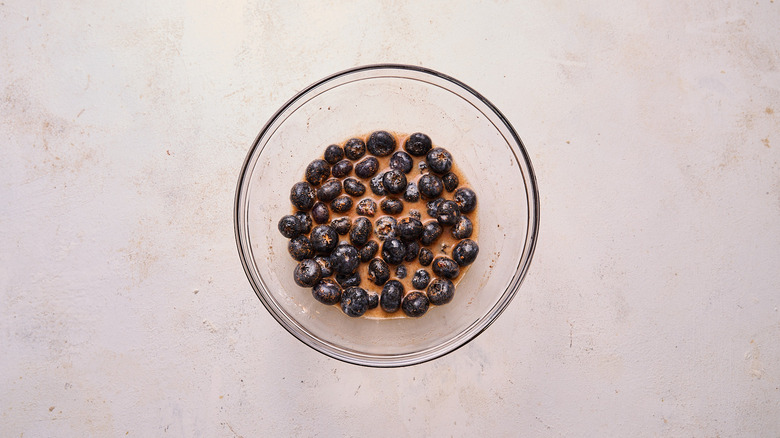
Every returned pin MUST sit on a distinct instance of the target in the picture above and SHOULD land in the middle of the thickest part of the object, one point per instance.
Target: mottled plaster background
(651, 306)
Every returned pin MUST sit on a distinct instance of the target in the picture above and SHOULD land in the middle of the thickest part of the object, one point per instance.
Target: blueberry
(354, 148)
(414, 304)
(421, 279)
(348, 280)
(430, 186)
(418, 144)
(324, 239)
(327, 291)
(333, 154)
(302, 195)
(450, 181)
(354, 187)
(409, 229)
(439, 160)
(324, 262)
(329, 191)
(392, 206)
(391, 297)
(307, 273)
(431, 231)
(378, 271)
(360, 232)
(445, 267)
(377, 186)
(368, 251)
(412, 250)
(344, 259)
(415, 214)
(401, 161)
(320, 213)
(447, 213)
(393, 251)
(289, 226)
(354, 301)
(466, 199)
(386, 227)
(440, 291)
(432, 207)
(341, 225)
(300, 248)
(342, 204)
(412, 193)
(465, 252)
(317, 171)
(426, 257)
(381, 143)
(400, 272)
(462, 228)
(373, 300)
(394, 181)
(367, 168)
(341, 169)
(366, 207)
(423, 167)
(304, 220)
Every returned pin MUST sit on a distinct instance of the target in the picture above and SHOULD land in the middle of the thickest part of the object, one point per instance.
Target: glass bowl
(403, 99)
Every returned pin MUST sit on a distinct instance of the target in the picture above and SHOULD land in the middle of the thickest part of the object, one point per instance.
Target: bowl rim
(466, 335)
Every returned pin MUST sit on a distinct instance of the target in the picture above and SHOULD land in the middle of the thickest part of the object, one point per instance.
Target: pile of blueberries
(329, 265)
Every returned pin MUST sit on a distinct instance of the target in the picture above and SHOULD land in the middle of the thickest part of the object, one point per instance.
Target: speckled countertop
(651, 306)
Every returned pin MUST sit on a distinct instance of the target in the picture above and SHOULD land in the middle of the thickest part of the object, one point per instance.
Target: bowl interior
(405, 100)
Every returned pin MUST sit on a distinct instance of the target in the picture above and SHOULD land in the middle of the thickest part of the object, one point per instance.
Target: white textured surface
(651, 307)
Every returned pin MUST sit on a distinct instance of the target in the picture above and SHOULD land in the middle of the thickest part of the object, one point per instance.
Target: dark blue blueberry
(302, 195)
(418, 144)
(320, 213)
(439, 160)
(426, 257)
(445, 267)
(373, 300)
(421, 279)
(440, 291)
(342, 204)
(412, 193)
(304, 220)
(334, 153)
(324, 262)
(401, 161)
(447, 213)
(393, 251)
(450, 181)
(465, 252)
(300, 248)
(307, 273)
(381, 143)
(432, 207)
(415, 214)
(360, 232)
(401, 272)
(317, 171)
(341, 225)
(391, 297)
(414, 304)
(344, 259)
(466, 199)
(354, 148)
(430, 186)
(354, 301)
(394, 181)
(409, 229)
(327, 291)
(431, 231)
(392, 206)
(462, 228)
(324, 239)
(354, 187)
(412, 250)
(368, 251)
(366, 207)
(377, 186)
(329, 191)
(348, 280)
(367, 168)
(341, 169)
(289, 226)
(378, 271)
(386, 227)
